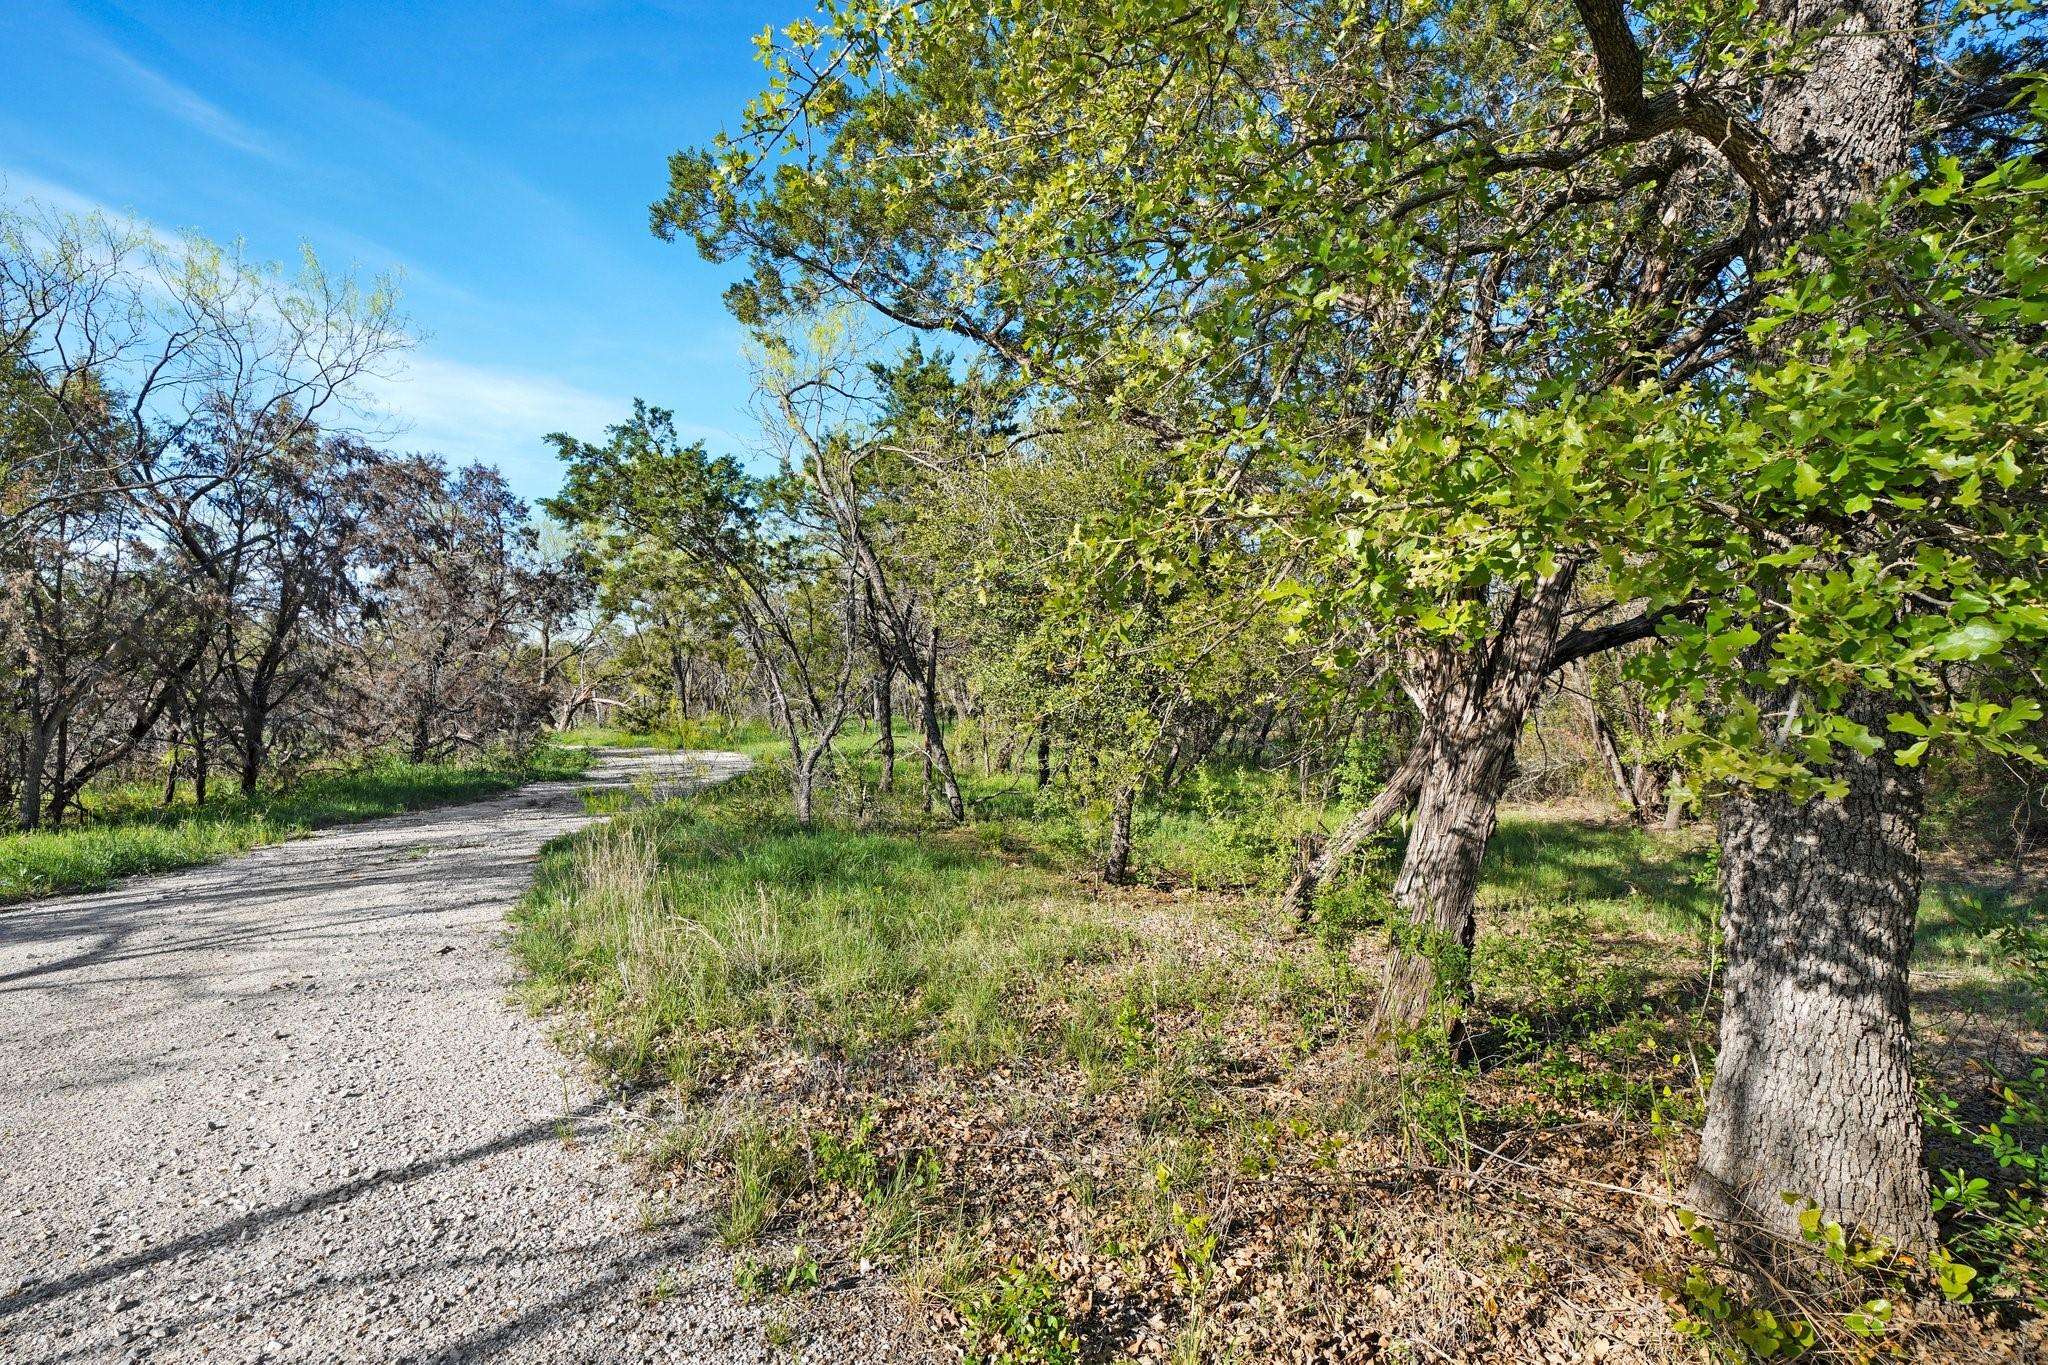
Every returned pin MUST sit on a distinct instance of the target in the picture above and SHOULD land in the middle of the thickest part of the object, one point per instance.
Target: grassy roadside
(1077, 1122)
(127, 834)
(704, 733)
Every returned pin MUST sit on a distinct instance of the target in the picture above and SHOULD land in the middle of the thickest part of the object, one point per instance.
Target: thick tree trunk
(1474, 702)
(803, 781)
(1429, 975)
(35, 753)
(1813, 1092)
(1116, 863)
(255, 719)
(1649, 782)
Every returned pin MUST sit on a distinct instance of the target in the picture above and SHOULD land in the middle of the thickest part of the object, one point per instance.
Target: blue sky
(502, 155)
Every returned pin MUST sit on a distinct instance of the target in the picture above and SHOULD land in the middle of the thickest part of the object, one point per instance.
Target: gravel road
(280, 1109)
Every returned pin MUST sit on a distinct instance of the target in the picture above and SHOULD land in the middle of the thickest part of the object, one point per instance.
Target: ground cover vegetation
(125, 831)
(1237, 442)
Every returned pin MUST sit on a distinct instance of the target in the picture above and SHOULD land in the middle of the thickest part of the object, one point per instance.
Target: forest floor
(1067, 1121)
(281, 1108)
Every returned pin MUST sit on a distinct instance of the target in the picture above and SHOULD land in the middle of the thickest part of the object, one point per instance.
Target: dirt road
(280, 1109)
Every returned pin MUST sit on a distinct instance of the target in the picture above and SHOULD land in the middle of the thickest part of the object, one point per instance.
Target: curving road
(280, 1109)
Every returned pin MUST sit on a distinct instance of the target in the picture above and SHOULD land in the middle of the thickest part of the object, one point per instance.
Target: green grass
(953, 1053)
(124, 834)
(711, 920)
(705, 732)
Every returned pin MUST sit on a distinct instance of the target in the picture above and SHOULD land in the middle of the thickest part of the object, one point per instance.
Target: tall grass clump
(717, 917)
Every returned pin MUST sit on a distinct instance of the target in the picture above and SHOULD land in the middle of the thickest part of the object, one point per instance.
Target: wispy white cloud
(471, 413)
(187, 105)
(19, 187)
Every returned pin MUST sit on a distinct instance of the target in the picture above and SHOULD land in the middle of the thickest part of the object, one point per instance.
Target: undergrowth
(1079, 1122)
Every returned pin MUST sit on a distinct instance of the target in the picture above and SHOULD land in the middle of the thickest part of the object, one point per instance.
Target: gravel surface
(281, 1109)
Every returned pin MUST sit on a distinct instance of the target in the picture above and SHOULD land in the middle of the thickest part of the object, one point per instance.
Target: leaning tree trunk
(1298, 900)
(1604, 742)
(1474, 701)
(939, 762)
(171, 758)
(1813, 1093)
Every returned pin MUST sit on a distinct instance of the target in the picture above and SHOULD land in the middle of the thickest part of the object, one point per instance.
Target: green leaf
(1972, 641)
(1723, 648)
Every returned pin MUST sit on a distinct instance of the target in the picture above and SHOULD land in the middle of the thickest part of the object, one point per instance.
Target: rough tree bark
(35, 753)
(1116, 863)
(1474, 702)
(255, 721)
(1813, 1092)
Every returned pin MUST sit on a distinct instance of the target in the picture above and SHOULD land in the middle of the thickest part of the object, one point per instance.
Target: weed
(764, 1171)
(1018, 1319)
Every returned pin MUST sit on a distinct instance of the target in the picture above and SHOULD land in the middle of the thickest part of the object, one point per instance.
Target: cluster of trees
(1350, 376)
(203, 574)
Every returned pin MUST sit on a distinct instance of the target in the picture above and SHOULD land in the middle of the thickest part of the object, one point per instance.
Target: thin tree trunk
(53, 812)
(171, 763)
(885, 720)
(938, 762)
(1581, 680)
(679, 669)
(1044, 759)
(1116, 863)
(1297, 901)
(200, 757)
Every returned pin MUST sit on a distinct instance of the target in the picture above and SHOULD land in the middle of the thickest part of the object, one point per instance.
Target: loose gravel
(280, 1109)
